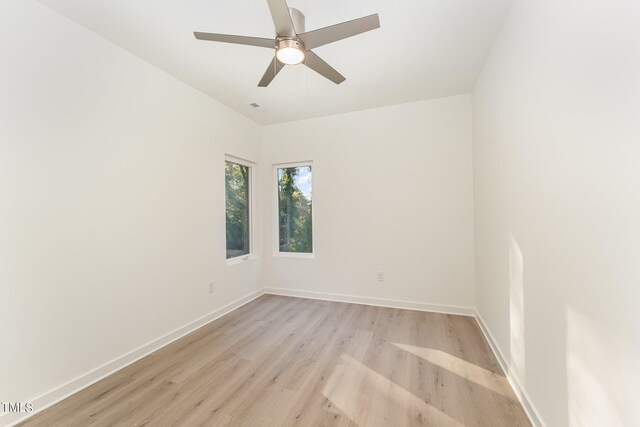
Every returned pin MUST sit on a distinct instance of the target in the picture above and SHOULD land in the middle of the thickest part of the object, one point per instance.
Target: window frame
(253, 211)
(276, 212)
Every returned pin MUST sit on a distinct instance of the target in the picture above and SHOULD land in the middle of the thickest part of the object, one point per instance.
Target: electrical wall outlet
(212, 287)
(380, 276)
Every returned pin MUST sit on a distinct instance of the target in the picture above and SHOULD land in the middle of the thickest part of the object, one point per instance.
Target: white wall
(557, 196)
(392, 192)
(112, 201)
(112, 221)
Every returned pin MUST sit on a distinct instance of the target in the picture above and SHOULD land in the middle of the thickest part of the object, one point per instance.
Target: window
(295, 215)
(238, 208)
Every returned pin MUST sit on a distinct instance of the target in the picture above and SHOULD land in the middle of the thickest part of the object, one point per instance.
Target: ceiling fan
(293, 45)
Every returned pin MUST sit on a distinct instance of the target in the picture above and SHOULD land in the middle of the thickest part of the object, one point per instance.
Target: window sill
(294, 255)
(240, 259)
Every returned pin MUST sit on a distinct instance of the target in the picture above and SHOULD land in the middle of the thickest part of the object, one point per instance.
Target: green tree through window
(295, 209)
(237, 209)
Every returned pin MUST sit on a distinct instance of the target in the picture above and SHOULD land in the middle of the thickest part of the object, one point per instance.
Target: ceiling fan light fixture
(290, 52)
(290, 55)
(293, 44)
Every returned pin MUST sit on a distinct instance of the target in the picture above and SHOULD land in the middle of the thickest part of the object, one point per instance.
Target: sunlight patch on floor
(460, 367)
(370, 399)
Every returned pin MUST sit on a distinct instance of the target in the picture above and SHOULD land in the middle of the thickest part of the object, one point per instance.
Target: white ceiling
(424, 49)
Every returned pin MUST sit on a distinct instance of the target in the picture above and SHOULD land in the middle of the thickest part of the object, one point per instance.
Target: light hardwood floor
(290, 361)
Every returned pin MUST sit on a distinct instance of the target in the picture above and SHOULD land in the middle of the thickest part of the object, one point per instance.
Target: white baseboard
(379, 302)
(54, 396)
(516, 384)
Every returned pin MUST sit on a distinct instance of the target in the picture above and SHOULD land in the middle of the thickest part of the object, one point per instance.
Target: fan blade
(318, 65)
(281, 18)
(272, 70)
(333, 33)
(227, 38)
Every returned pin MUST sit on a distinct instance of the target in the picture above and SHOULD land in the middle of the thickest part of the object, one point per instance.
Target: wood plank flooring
(281, 361)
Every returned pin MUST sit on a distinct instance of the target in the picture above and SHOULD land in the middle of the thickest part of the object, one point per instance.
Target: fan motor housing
(283, 42)
(292, 41)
